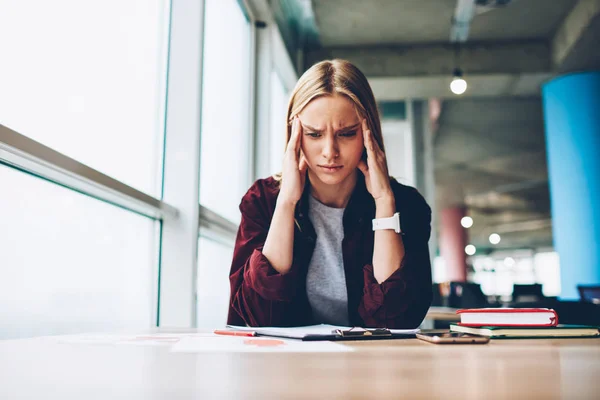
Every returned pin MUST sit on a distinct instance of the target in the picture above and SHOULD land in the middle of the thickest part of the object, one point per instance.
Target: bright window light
(88, 78)
(278, 107)
(214, 260)
(70, 263)
(224, 169)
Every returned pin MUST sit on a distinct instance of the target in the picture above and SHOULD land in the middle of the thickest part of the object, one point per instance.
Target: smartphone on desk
(451, 338)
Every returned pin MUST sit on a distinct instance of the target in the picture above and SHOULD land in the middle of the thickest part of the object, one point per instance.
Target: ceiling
(489, 150)
(377, 22)
(490, 156)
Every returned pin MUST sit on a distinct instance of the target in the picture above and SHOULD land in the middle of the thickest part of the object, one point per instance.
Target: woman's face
(332, 138)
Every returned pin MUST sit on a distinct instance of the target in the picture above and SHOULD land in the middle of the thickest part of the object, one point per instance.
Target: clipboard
(330, 333)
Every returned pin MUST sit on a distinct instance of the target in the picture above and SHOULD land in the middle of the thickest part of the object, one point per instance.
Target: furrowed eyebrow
(342, 130)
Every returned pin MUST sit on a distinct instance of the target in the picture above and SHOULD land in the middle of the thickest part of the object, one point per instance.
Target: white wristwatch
(392, 222)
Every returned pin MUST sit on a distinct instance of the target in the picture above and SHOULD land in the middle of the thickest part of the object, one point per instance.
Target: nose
(330, 148)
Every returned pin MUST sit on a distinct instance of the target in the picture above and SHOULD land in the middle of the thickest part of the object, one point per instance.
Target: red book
(508, 317)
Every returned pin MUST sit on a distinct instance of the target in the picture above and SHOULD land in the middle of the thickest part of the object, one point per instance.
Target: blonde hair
(329, 78)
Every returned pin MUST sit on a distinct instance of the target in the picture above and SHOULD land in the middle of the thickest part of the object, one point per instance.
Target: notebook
(524, 317)
(560, 331)
(328, 332)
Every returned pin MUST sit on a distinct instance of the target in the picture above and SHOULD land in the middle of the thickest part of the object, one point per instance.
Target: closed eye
(313, 134)
(348, 134)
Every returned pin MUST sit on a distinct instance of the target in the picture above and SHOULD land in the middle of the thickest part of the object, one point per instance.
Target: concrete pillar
(422, 141)
(453, 240)
(572, 120)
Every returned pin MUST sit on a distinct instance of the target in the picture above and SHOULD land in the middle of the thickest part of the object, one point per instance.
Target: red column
(453, 240)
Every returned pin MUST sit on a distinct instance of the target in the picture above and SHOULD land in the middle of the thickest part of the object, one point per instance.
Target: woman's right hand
(294, 167)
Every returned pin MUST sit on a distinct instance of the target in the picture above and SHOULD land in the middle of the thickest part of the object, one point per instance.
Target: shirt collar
(360, 207)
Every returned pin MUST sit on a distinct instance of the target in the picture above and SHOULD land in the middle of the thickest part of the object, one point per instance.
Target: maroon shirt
(260, 296)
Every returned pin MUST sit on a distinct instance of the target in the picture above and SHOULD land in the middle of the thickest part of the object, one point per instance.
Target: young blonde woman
(332, 239)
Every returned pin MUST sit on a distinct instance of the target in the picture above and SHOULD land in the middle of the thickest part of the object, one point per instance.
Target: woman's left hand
(375, 169)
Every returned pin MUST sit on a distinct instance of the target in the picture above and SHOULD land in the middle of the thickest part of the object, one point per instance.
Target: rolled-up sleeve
(402, 300)
(259, 294)
(263, 279)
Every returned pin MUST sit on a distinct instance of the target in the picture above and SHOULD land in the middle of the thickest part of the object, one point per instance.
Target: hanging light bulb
(458, 84)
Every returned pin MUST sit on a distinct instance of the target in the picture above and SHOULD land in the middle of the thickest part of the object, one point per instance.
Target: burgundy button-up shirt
(260, 296)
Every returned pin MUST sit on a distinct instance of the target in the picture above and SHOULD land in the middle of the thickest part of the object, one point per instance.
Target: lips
(330, 168)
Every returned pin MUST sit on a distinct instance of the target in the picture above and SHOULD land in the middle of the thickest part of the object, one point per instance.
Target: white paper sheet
(301, 331)
(231, 344)
(149, 339)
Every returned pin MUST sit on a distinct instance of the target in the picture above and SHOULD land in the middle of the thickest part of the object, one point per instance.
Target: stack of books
(507, 323)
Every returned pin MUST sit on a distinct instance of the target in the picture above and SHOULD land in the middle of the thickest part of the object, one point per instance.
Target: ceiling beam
(425, 71)
(577, 37)
(440, 59)
(481, 85)
(461, 21)
(527, 225)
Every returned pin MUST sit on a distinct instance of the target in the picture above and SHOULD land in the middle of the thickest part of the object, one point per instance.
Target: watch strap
(392, 223)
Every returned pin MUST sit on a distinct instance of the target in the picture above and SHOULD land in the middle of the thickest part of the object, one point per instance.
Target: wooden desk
(531, 369)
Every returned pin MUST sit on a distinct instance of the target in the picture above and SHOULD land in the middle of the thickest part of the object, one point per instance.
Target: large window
(226, 136)
(86, 78)
(213, 281)
(71, 263)
(225, 167)
(397, 138)
(279, 99)
(101, 177)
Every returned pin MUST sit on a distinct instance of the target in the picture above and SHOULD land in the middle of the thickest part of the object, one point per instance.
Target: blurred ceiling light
(458, 84)
(466, 222)
(470, 249)
(494, 238)
(509, 261)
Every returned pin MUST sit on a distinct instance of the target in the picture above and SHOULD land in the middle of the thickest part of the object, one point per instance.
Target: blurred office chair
(527, 293)
(441, 293)
(437, 299)
(466, 295)
(578, 312)
(585, 311)
(589, 294)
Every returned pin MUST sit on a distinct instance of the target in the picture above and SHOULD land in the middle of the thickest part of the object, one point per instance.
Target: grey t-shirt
(326, 279)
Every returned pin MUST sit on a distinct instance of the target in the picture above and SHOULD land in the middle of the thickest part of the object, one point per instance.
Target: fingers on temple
(293, 145)
(367, 138)
(298, 138)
